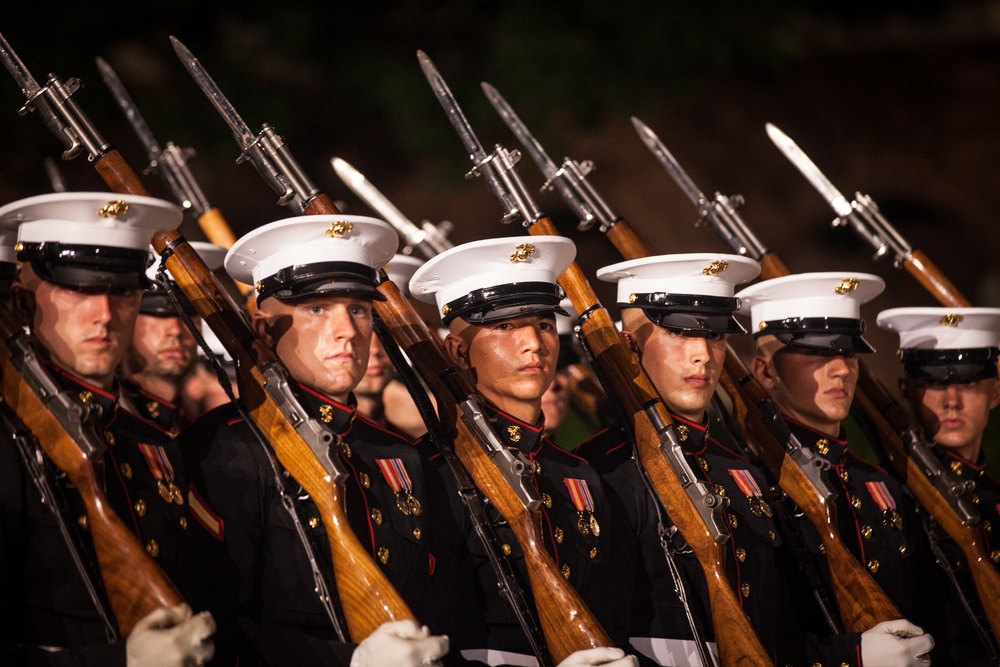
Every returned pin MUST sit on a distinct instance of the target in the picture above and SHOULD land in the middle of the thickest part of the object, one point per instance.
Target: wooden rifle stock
(567, 623)
(135, 585)
(935, 282)
(118, 175)
(367, 597)
(861, 601)
(736, 639)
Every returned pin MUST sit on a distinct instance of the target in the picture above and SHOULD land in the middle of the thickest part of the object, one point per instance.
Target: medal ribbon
(746, 482)
(158, 462)
(579, 494)
(395, 474)
(880, 492)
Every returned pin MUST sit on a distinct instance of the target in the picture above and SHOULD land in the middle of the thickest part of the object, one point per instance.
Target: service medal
(401, 504)
(164, 490)
(163, 472)
(579, 494)
(394, 472)
(883, 498)
(582, 524)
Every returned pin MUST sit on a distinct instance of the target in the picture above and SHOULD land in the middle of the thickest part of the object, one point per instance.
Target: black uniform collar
(832, 449)
(106, 403)
(337, 416)
(514, 433)
(960, 465)
(693, 436)
(158, 410)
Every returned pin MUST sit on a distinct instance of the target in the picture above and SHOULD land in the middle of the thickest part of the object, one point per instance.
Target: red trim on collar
(156, 398)
(85, 384)
(842, 441)
(327, 399)
(507, 415)
(961, 459)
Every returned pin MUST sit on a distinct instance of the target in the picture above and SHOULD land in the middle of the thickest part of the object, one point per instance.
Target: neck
(970, 451)
(371, 406)
(526, 411)
(168, 389)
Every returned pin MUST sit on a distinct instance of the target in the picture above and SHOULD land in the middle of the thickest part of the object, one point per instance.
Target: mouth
(952, 424)
(698, 380)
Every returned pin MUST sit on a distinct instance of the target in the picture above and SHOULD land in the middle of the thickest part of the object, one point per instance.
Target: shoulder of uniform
(606, 448)
(378, 431)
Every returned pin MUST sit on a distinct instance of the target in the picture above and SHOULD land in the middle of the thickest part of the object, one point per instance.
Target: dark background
(897, 99)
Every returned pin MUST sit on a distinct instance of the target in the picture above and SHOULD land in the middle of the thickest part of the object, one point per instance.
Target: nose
(342, 325)
(838, 367)
(697, 349)
(530, 339)
(98, 306)
(952, 396)
(173, 326)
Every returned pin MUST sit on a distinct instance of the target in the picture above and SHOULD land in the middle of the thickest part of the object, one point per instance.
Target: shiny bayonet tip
(182, 51)
(809, 169)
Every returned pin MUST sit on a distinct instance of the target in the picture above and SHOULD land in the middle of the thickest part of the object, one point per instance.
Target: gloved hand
(171, 637)
(400, 644)
(607, 656)
(896, 643)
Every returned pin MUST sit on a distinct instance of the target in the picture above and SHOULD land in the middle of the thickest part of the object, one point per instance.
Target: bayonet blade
(368, 193)
(17, 69)
(812, 173)
(124, 100)
(673, 167)
(455, 115)
(520, 131)
(208, 86)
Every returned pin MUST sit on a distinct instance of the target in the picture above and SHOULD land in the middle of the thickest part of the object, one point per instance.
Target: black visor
(960, 366)
(689, 312)
(308, 280)
(87, 265)
(820, 334)
(502, 302)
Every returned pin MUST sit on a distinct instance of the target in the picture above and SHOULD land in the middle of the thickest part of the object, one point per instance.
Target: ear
(454, 346)
(262, 327)
(762, 369)
(23, 301)
(995, 394)
(633, 345)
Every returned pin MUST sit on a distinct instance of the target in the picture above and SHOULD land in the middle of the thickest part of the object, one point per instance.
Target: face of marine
(814, 389)
(162, 352)
(86, 331)
(323, 341)
(378, 373)
(512, 362)
(684, 367)
(555, 400)
(953, 414)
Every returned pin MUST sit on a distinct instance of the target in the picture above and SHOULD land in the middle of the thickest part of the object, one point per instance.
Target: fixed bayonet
(56, 178)
(497, 168)
(862, 215)
(54, 103)
(428, 239)
(267, 149)
(171, 162)
(570, 178)
(720, 212)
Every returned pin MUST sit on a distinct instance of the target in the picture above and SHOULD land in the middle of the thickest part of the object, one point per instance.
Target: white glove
(400, 644)
(608, 656)
(171, 637)
(896, 643)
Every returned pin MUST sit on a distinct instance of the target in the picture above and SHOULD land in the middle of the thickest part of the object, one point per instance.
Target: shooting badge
(399, 481)
(748, 485)
(579, 493)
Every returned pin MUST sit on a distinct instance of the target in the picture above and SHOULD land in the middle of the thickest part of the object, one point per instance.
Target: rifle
(798, 470)
(171, 163)
(427, 239)
(301, 445)
(62, 428)
(695, 510)
(937, 489)
(863, 216)
(503, 477)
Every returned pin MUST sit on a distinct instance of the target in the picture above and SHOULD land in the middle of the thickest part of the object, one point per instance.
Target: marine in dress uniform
(808, 332)
(949, 358)
(84, 258)
(163, 350)
(499, 298)
(315, 278)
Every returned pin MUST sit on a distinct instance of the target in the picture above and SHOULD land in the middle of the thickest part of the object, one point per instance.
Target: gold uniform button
(995, 555)
(866, 531)
(313, 522)
(720, 490)
(987, 526)
(703, 463)
(126, 470)
(383, 555)
(975, 498)
(593, 553)
(873, 566)
(856, 503)
(822, 548)
(956, 467)
(565, 571)
(844, 475)
(741, 554)
(82, 521)
(109, 437)
(538, 467)
(152, 548)
(903, 550)
(823, 446)
(377, 516)
(505, 548)
(417, 533)
(733, 521)
(558, 534)
(547, 500)
(183, 522)
(140, 507)
(745, 589)
(772, 535)
(365, 480)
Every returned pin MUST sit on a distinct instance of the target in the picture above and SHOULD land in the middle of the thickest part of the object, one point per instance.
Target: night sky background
(898, 99)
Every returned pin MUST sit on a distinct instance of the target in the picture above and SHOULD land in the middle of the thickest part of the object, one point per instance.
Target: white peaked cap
(501, 267)
(90, 219)
(565, 323)
(213, 255)
(810, 295)
(943, 328)
(293, 244)
(400, 269)
(707, 274)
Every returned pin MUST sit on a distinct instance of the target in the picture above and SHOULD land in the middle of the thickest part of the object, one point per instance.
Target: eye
(503, 326)
(316, 310)
(546, 326)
